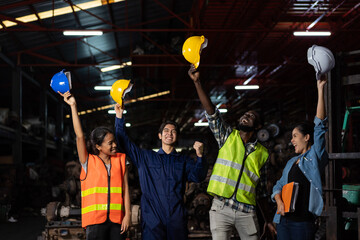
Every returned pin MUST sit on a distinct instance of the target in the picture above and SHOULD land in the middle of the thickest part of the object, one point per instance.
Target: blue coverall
(162, 179)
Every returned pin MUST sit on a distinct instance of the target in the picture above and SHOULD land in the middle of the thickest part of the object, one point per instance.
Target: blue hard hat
(61, 82)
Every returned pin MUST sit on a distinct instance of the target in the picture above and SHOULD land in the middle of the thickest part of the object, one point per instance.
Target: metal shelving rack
(335, 100)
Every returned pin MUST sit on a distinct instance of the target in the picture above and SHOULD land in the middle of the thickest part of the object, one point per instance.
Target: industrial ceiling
(249, 42)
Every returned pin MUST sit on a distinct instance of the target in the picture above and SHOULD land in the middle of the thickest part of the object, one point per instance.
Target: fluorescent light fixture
(223, 110)
(312, 34)
(201, 124)
(114, 67)
(82, 33)
(127, 124)
(128, 101)
(101, 88)
(246, 87)
(113, 112)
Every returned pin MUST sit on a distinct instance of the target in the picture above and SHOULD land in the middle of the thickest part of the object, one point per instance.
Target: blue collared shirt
(162, 178)
(312, 164)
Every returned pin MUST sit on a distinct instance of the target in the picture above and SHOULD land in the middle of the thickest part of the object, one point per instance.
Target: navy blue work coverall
(162, 179)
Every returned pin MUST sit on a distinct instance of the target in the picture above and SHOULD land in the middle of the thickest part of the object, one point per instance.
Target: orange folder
(289, 195)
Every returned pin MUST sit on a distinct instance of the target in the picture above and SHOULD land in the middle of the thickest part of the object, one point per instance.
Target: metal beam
(46, 58)
(172, 13)
(149, 65)
(30, 25)
(20, 4)
(199, 30)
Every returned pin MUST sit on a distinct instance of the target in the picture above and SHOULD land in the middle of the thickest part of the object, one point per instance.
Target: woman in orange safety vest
(105, 199)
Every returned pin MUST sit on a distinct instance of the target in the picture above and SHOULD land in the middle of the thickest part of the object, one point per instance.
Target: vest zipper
(108, 206)
(108, 198)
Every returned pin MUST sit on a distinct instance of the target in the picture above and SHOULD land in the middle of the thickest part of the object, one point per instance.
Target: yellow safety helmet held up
(119, 89)
(192, 48)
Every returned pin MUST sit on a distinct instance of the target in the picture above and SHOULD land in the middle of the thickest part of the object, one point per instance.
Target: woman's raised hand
(68, 98)
(321, 82)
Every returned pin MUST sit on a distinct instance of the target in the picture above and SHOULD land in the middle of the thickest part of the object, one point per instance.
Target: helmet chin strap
(246, 128)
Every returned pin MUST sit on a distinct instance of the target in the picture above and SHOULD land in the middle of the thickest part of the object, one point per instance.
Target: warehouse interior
(249, 43)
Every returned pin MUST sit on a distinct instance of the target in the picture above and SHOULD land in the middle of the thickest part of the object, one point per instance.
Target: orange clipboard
(289, 195)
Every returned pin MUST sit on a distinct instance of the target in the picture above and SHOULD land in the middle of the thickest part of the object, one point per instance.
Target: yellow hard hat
(192, 48)
(119, 89)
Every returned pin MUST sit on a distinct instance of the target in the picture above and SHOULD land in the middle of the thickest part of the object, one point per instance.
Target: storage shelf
(344, 156)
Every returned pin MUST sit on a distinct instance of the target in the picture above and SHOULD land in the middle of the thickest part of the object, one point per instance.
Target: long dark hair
(306, 128)
(96, 138)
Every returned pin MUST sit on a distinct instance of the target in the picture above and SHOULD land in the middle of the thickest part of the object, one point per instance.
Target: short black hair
(162, 126)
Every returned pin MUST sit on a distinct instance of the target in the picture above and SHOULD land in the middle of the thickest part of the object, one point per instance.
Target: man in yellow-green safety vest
(238, 169)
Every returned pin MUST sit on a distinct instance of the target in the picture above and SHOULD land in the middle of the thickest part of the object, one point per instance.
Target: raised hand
(194, 74)
(321, 82)
(199, 148)
(119, 110)
(68, 98)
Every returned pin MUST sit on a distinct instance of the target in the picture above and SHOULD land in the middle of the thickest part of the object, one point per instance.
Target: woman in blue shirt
(305, 168)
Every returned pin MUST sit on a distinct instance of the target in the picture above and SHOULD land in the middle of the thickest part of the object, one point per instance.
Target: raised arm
(320, 111)
(320, 127)
(80, 139)
(204, 98)
(131, 149)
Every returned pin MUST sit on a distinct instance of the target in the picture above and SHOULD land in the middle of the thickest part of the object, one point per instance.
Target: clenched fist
(199, 148)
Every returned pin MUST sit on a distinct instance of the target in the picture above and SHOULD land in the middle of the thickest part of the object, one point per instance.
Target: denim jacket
(312, 164)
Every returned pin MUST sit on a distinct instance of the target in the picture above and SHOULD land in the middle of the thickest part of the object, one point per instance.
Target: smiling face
(168, 136)
(108, 146)
(300, 141)
(249, 120)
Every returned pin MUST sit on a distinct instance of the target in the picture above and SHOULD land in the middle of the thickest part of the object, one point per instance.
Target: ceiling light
(113, 67)
(58, 12)
(82, 33)
(311, 34)
(129, 101)
(201, 124)
(223, 110)
(100, 88)
(113, 112)
(246, 87)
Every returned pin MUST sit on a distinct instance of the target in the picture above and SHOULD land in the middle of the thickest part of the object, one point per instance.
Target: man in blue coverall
(163, 177)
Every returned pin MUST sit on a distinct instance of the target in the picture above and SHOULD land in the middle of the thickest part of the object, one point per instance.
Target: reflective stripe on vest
(227, 169)
(102, 207)
(95, 188)
(100, 190)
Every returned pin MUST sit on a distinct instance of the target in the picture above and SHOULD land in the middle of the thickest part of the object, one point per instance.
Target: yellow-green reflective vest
(227, 168)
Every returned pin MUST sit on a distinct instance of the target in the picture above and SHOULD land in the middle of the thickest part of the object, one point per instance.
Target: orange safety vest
(101, 194)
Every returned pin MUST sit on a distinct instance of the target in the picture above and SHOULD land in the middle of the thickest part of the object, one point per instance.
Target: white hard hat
(321, 58)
